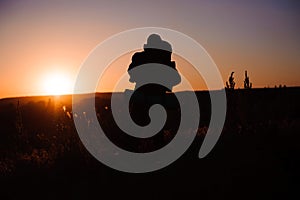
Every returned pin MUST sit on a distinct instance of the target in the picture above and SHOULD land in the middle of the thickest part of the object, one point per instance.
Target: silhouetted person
(155, 51)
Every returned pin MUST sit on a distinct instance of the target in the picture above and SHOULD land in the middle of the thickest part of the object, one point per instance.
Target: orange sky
(42, 38)
(111, 76)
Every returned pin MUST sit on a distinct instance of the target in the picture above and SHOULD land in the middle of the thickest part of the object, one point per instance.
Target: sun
(57, 84)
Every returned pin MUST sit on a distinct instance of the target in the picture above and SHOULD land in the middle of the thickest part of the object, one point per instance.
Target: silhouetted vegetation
(247, 83)
(230, 84)
(257, 154)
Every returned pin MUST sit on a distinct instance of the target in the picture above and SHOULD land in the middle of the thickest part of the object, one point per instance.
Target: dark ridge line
(109, 93)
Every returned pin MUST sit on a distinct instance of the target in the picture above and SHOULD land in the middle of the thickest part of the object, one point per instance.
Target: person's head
(154, 41)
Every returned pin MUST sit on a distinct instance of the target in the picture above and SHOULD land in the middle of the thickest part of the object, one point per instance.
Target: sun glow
(57, 84)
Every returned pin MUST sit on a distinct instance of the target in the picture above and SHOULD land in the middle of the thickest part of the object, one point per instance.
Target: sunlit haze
(57, 84)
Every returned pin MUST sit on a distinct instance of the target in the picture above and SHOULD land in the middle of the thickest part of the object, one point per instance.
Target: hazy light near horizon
(57, 83)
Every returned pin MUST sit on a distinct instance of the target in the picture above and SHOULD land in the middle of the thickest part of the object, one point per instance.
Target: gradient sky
(38, 38)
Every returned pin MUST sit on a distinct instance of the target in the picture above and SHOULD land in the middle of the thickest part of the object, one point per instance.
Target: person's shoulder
(138, 55)
(173, 64)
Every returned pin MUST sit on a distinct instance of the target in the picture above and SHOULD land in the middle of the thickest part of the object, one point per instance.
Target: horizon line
(107, 92)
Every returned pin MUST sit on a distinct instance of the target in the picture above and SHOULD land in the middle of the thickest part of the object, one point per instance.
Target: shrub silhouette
(247, 83)
(230, 84)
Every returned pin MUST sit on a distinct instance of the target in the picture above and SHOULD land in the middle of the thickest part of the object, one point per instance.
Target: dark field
(257, 155)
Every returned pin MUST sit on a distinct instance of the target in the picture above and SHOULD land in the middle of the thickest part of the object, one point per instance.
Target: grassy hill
(257, 154)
